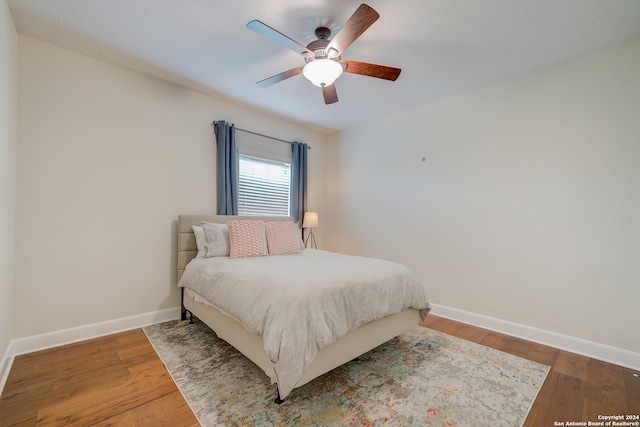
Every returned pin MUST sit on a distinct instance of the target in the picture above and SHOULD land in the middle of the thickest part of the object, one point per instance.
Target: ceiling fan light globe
(322, 72)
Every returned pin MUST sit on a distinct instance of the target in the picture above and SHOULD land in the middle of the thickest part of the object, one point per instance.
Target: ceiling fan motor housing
(319, 47)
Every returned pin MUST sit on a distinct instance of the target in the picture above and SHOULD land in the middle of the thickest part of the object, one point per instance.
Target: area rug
(421, 378)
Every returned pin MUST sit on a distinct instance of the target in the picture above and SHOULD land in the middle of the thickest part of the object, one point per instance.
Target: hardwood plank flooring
(118, 380)
(114, 380)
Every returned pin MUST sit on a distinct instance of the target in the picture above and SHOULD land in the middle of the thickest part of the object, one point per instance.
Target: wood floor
(118, 380)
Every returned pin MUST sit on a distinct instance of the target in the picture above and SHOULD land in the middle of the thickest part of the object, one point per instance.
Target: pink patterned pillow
(247, 239)
(283, 238)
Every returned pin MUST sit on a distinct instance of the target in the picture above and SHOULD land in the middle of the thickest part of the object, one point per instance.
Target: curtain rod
(260, 134)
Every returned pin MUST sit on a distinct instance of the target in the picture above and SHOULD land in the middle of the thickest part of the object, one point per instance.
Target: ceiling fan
(323, 62)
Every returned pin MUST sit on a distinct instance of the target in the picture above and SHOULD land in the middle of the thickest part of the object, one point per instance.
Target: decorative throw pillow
(283, 238)
(198, 232)
(216, 239)
(247, 239)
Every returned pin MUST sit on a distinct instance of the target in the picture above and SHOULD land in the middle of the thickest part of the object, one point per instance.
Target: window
(263, 186)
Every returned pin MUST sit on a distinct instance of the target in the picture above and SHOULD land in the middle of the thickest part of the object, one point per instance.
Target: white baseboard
(5, 367)
(617, 356)
(94, 330)
(67, 336)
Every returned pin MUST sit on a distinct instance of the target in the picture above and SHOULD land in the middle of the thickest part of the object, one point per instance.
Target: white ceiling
(444, 47)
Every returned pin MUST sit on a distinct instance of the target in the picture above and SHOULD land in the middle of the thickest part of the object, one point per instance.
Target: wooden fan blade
(275, 35)
(361, 19)
(330, 94)
(280, 77)
(371, 70)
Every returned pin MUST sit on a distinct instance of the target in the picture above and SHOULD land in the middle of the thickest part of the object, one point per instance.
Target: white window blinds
(263, 186)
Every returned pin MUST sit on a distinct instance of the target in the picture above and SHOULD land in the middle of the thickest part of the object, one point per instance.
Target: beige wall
(527, 206)
(106, 160)
(8, 117)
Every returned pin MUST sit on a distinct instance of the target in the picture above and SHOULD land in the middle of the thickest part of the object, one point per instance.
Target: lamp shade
(322, 72)
(310, 220)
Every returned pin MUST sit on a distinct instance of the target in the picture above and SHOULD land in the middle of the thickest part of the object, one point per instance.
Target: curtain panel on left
(227, 164)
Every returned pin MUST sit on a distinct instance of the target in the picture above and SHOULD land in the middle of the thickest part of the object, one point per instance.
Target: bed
(336, 348)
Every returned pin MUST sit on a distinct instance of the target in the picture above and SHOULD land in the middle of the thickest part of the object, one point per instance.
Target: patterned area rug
(423, 377)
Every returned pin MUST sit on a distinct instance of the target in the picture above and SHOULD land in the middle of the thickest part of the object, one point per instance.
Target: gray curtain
(298, 181)
(227, 173)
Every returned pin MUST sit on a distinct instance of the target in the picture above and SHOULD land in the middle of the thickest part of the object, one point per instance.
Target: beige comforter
(299, 304)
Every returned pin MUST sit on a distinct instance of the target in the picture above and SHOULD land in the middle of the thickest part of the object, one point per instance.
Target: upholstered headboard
(187, 248)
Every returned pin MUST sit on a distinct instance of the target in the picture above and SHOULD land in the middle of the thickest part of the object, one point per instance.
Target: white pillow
(198, 231)
(217, 239)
